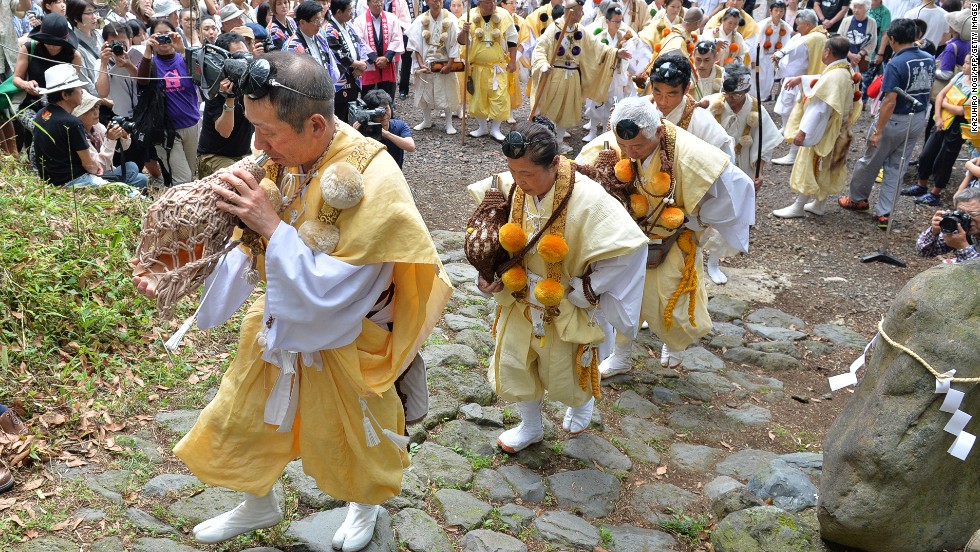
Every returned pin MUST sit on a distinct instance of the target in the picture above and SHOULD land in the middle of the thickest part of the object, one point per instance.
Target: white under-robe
(704, 126)
(793, 64)
(814, 121)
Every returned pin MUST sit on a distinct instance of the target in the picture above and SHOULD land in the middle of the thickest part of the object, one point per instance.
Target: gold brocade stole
(557, 228)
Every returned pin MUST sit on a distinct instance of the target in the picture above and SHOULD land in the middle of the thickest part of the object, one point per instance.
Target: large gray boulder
(888, 484)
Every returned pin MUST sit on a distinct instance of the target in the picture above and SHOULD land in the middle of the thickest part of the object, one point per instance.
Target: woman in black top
(50, 44)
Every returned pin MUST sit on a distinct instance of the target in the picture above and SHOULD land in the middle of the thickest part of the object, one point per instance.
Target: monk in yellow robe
(518, 80)
(680, 185)
(820, 125)
(587, 265)
(802, 55)
(747, 27)
(353, 288)
(562, 74)
(492, 55)
(539, 19)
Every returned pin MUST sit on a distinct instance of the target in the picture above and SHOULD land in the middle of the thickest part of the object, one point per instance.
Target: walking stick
(758, 102)
(544, 78)
(883, 256)
(466, 75)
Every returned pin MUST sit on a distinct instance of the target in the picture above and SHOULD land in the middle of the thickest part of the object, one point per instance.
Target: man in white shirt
(935, 18)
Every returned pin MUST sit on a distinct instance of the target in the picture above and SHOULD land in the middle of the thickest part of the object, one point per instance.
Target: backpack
(152, 125)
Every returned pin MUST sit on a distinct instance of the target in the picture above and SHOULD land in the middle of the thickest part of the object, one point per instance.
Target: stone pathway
(612, 487)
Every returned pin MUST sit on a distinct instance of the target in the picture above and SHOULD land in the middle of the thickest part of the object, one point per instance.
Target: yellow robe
(231, 446)
(637, 14)
(815, 41)
(539, 19)
(821, 170)
(488, 66)
(749, 30)
(696, 167)
(597, 227)
(564, 86)
(514, 79)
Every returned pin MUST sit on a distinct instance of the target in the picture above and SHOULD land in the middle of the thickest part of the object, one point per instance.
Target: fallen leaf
(193, 380)
(62, 524)
(16, 519)
(7, 503)
(662, 470)
(772, 436)
(52, 419)
(727, 446)
(33, 484)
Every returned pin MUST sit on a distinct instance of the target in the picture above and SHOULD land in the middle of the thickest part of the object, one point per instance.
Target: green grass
(607, 538)
(687, 528)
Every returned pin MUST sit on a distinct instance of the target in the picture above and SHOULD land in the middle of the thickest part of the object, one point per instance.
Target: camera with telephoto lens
(118, 48)
(361, 114)
(124, 123)
(209, 65)
(952, 218)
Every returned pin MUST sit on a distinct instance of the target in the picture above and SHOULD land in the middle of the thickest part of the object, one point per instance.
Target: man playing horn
(353, 287)
(680, 185)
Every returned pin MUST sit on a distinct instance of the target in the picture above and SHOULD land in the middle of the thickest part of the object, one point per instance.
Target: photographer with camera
(393, 133)
(103, 142)
(954, 231)
(226, 135)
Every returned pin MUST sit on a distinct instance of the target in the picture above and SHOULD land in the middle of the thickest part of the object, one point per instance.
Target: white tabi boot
(793, 211)
(789, 158)
(562, 134)
(528, 432)
(482, 130)
(426, 120)
(358, 528)
(619, 362)
(450, 129)
(670, 358)
(714, 271)
(257, 512)
(592, 127)
(495, 131)
(817, 207)
(513, 119)
(577, 419)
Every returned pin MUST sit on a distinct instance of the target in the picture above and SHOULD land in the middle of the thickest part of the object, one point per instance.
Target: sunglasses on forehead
(515, 144)
(627, 129)
(256, 82)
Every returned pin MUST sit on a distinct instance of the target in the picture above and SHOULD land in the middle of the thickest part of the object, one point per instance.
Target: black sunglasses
(627, 129)
(256, 82)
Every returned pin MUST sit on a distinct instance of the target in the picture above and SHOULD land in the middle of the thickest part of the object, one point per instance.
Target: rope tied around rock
(922, 361)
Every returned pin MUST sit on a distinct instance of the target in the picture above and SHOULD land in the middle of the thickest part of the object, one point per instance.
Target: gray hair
(809, 16)
(966, 194)
(605, 5)
(865, 3)
(641, 111)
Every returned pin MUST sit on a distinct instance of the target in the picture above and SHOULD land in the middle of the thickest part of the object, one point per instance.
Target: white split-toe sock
(619, 362)
(450, 129)
(495, 131)
(795, 210)
(577, 419)
(670, 358)
(257, 512)
(482, 130)
(528, 432)
(426, 120)
(714, 271)
(789, 158)
(358, 528)
(816, 207)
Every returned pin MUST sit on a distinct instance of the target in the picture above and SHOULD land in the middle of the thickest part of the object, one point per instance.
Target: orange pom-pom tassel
(549, 292)
(666, 31)
(514, 279)
(624, 170)
(767, 45)
(694, 37)
(552, 248)
(728, 60)
(733, 48)
(769, 31)
(690, 48)
(782, 32)
(661, 183)
(813, 83)
(657, 48)
(512, 237)
(638, 205)
(856, 78)
(779, 45)
(857, 95)
(672, 218)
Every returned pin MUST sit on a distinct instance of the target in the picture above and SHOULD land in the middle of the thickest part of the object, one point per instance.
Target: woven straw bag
(482, 244)
(603, 171)
(184, 235)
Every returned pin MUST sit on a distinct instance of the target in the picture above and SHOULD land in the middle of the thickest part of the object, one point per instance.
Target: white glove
(576, 295)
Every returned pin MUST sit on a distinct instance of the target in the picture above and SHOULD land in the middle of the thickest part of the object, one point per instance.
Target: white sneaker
(528, 432)
(358, 528)
(577, 419)
(669, 358)
(257, 512)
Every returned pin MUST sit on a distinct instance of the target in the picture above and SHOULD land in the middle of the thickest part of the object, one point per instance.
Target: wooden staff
(466, 72)
(758, 103)
(544, 78)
